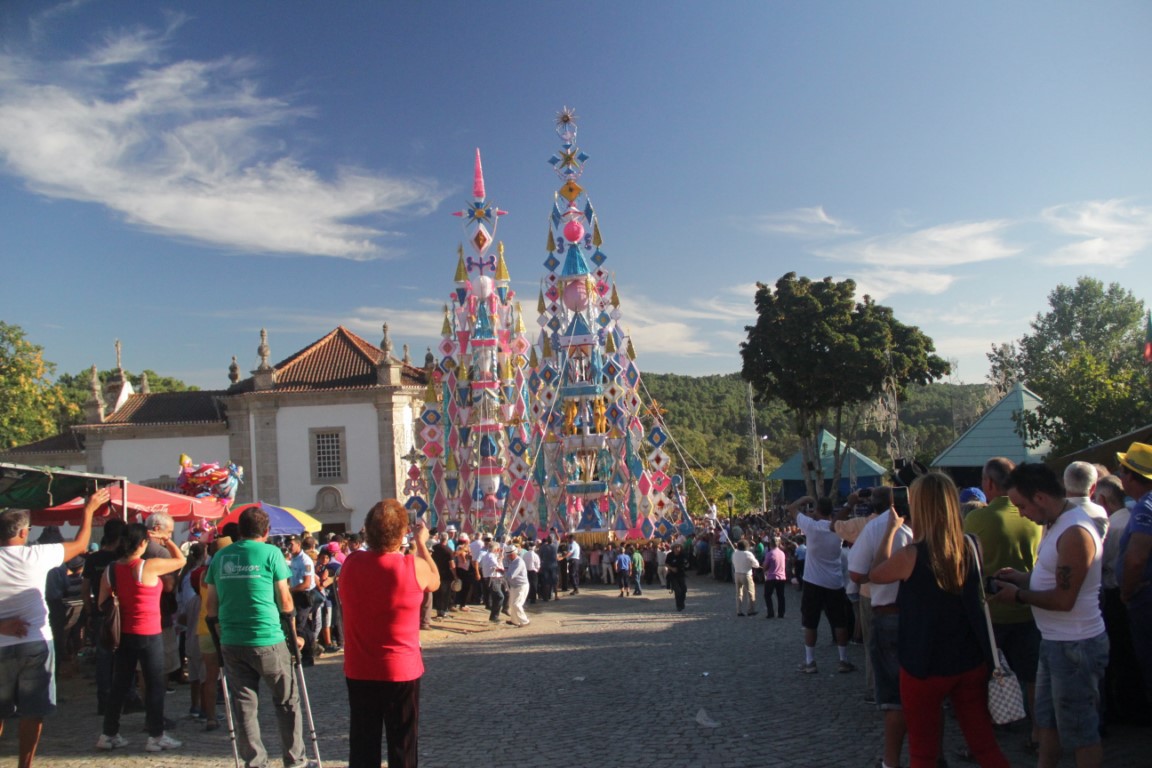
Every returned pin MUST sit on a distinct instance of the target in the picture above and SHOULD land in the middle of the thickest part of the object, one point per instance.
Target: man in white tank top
(1063, 590)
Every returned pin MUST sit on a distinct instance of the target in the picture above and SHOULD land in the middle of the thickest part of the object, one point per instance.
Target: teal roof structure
(855, 463)
(994, 434)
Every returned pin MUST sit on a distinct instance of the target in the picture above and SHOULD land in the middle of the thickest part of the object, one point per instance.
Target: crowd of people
(1067, 584)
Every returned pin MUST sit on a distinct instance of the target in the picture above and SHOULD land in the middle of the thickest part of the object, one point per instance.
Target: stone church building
(325, 430)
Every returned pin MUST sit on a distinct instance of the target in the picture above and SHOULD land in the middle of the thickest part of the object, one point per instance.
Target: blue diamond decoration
(599, 258)
(555, 324)
(517, 446)
(430, 417)
(547, 374)
(657, 437)
(417, 505)
(551, 263)
(612, 369)
(603, 318)
(533, 383)
(632, 376)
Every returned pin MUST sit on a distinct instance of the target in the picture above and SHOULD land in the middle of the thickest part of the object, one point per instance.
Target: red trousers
(922, 700)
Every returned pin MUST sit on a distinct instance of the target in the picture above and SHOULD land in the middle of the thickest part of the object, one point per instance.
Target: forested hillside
(709, 420)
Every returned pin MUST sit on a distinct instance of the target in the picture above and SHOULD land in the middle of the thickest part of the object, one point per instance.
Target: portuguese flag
(1148, 340)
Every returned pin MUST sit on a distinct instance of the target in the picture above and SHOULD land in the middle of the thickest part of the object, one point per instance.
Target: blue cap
(972, 494)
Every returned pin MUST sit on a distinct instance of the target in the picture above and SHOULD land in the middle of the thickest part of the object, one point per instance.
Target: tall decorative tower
(599, 468)
(472, 469)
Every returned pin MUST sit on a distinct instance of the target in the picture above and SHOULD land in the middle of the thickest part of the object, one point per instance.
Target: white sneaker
(111, 742)
(161, 742)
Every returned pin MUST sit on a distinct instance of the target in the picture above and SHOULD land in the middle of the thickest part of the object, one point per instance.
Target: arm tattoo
(1064, 576)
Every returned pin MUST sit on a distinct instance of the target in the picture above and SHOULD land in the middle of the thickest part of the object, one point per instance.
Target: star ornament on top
(566, 123)
(480, 212)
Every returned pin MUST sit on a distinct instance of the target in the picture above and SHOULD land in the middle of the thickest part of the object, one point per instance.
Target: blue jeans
(148, 652)
(882, 644)
(244, 668)
(1068, 689)
(1140, 623)
(636, 583)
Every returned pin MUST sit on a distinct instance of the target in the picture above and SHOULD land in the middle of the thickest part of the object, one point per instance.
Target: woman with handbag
(137, 586)
(942, 645)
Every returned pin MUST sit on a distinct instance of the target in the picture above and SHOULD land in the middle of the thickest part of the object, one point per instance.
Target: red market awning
(142, 502)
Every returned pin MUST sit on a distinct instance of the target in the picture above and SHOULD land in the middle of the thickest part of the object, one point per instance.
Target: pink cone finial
(478, 181)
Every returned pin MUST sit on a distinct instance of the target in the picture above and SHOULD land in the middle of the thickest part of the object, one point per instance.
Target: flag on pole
(1148, 339)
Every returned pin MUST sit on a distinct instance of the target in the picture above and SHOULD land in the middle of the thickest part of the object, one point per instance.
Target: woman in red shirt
(381, 591)
(138, 587)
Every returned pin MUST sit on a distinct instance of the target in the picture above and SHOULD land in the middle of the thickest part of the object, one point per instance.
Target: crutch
(294, 647)
(212, 622)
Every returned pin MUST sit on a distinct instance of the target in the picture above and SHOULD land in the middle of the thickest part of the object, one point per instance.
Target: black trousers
(774, 586)
(380, 708)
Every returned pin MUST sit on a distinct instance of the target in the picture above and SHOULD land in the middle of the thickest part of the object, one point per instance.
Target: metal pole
(212, 630)
(298, 667)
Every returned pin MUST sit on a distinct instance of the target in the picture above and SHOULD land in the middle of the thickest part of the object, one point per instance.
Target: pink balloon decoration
(573, 231)
(576, 296)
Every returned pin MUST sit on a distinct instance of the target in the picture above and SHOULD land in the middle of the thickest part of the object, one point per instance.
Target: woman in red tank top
(138, 587)
(381, 591)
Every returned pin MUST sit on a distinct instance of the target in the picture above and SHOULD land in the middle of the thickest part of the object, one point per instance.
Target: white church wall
(362, 487)
(142, 459)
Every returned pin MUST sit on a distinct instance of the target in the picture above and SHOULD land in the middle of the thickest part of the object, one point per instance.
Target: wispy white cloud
(880, 283)
(182, 148)
(947, 245)
(806, 223)
(1113, 230)
(965, 313)
(679, 329)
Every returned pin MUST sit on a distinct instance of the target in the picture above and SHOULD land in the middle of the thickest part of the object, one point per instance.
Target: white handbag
(1005, 697)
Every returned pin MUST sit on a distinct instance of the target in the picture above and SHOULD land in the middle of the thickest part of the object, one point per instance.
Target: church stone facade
(324, 430)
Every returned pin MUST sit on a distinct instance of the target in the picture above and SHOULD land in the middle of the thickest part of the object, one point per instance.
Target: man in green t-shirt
(247, 595)
(1008, 540)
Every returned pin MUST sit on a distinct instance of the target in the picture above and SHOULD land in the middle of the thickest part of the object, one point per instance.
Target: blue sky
(179, 175)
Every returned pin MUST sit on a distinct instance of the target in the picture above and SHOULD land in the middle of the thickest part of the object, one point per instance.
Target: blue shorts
(1068, 689)
(882, 652)
(27, 680)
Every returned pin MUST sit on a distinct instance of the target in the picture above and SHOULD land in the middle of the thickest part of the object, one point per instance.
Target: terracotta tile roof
(193, 407)
(65, 442)
(340, 360)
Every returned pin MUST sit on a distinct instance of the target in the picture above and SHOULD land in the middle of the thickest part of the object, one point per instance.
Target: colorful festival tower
(472, 465)
(599, 468)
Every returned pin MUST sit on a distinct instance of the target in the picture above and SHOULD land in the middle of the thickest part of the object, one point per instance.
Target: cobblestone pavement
(594, 680)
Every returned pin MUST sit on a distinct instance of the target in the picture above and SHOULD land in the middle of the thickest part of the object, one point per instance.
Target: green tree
(825, 355)
(1083, 358)
(29, 400)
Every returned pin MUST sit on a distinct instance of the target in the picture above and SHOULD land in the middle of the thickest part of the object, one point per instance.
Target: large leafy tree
(29, 399)
(826, 356)
(1084, 359)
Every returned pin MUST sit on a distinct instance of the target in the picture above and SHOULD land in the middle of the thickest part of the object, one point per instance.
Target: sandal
(212, 725)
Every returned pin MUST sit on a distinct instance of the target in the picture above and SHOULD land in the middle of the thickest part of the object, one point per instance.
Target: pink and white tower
(473, 433)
